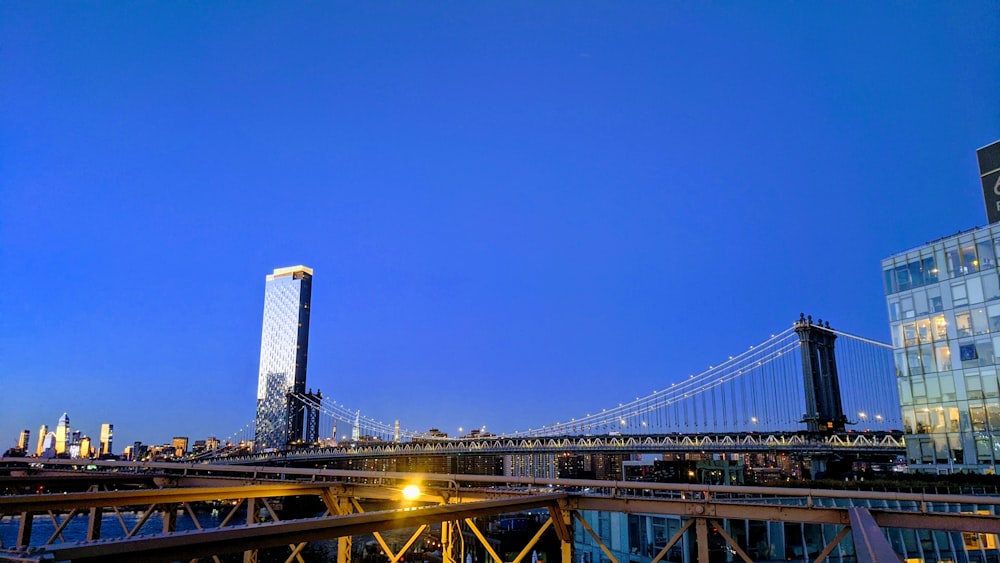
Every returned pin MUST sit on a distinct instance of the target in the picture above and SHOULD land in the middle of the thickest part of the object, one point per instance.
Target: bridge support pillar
(447, 542)
(169, 519)
(250, 556)
(701, 538)
(566, 545)
(94, 523)
(824, 412)
(24, 529)
(345, 544)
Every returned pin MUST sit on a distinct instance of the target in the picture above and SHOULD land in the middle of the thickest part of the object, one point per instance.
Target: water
(76, 531)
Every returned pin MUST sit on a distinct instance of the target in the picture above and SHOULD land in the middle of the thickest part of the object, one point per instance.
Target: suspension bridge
(809, 378)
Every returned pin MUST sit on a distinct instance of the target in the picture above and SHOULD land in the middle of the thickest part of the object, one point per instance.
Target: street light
(411, 492)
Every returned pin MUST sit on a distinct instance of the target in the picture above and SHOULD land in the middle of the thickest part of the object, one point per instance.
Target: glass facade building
(944, 313)
(284, 351)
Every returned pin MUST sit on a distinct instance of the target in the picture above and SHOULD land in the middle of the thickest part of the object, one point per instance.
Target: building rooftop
(280, 272)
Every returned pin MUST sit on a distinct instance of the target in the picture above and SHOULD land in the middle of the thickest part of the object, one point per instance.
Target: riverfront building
(284, 351)
(944, 314)
(107, 435)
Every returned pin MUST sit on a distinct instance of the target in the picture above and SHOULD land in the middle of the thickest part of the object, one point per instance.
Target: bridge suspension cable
(759, 390)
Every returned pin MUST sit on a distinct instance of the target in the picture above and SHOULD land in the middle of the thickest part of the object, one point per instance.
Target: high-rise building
(284, 352)
(107, 433)
(944, 314)
(41, 439)
(86, 449)
(62, 434)
(49, 444)
(24, 440)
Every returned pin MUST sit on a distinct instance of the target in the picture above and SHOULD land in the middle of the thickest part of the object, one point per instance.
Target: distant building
(944, 314)
(24, 440)
(180, 446)
(284, 353)
(211, 443)
(49, 445)
(42, 432)
(107, 434)
(62, 434)
(86, 448)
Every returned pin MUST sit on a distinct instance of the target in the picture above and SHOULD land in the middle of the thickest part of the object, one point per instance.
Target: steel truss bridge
(801, 444)
(374, 502)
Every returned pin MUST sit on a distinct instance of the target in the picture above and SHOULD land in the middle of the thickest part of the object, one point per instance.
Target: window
(927, 359)
(940, 327)
(979, 323)
(970, 263)
(991, 390)
(986, 258)
(908, 421)
(913, 361)
(920, 302)
(974, 387)
(968, 353)
(943, 356)
(923, 421)
(984, 352)
(975, 290)
(991, 288)
(952, 419)
(909, 334)
(930, 270)
(934, 300)
(954, 263)
(948, 390)
(963, 324)
(959, 296)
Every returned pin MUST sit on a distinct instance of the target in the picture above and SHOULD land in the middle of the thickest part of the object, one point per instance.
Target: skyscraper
(41, 439)
(107, 433)
(284, 351)
(944, 313)
(24, 440)
(62, 434)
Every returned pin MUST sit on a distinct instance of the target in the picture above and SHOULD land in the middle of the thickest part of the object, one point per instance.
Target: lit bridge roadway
(800, 444)
(453, 502)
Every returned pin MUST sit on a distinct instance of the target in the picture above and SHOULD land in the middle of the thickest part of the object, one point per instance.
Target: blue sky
(517, 212)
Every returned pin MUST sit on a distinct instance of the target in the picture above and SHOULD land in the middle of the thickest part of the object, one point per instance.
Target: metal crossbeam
(204, 543)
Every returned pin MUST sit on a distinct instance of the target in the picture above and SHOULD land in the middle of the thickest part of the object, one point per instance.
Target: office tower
(62, 434)
(107, 433)
(41, 439)
(86, 447)
(49, 444)
(284, 352)
(24, 440)
(944, 314)
(180, 445)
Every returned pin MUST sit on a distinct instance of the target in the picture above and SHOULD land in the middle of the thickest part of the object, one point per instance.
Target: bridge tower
(824, 412)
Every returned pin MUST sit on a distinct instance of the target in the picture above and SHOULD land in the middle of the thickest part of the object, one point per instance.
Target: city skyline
(549, 209)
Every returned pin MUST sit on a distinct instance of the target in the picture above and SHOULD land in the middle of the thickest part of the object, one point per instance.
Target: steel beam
(870, 544)
(204, 543)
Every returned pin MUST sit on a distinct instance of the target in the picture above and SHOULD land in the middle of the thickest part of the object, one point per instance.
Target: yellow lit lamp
(411, 492)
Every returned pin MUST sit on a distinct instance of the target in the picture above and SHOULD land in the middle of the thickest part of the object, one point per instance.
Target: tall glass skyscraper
(284, 352)
(944, 313)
